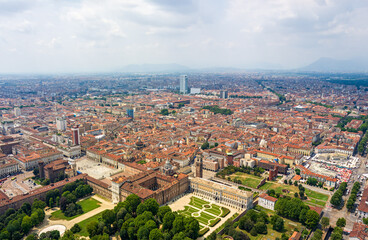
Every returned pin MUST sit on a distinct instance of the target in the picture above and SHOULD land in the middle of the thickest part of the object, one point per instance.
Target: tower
(224, 94)
(199, 167)
(75, 136)
(61, 123)
(183, 84)
(17, 111)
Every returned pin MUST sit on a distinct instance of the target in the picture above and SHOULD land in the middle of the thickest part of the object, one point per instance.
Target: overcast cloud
(95, 35)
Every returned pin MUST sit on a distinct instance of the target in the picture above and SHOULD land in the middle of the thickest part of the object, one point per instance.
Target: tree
(38, 204)
(150, 225)
(143, 233)
(108, 216)
(295, 183)
(296, 195)
(341, 222)
(261, 227)
(26, 208)
(205, 145)
(164, 112)
(33, 236)
(317, 235)
(336, 234)
(51, 202)
(92, 228)
(325, 221)
(152, 205)
(76, 228)
(277, 222)
(162, 211)
(26, 224)
(132, 202)
(312, 219)
(141, 208)
(297, 171)
(178, 224)
(285, 181)
(253, 232)
(155, 234)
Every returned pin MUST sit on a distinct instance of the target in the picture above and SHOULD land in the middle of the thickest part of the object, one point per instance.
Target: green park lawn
(87, 205)
(84, 223)
(248, 180)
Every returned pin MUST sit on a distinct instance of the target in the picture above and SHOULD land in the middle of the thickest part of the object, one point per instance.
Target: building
(17, 111)
(305, 173)
(61, 123)
(8, 166)
(75, 136)
(267, 165)
(53, 170)
(363, 206)
(130, 113)
(150, 184)
(199, 167)
(30, 160)
(183, 84)
(296, 236)
(359, 232)
(195, 90)
(266, 201)
(221, 193)
(39, 193)
(224, 94)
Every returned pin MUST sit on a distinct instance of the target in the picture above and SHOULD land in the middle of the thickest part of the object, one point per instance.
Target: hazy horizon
(90, 36)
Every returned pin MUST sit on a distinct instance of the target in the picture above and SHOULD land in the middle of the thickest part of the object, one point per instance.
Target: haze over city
(90, 36)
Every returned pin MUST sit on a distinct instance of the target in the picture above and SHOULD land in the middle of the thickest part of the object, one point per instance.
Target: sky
(56, 36)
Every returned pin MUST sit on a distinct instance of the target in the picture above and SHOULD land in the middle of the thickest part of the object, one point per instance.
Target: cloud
(91, 35)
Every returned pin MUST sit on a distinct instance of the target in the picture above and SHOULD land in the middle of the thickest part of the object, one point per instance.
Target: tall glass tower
(184, 84)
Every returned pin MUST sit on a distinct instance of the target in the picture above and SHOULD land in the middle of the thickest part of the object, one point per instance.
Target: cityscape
(160, 120)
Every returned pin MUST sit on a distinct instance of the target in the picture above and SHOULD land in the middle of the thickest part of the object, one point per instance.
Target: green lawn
(247, 179)
(87, 205)
(316, 195)
(84, 224)
(315, 202)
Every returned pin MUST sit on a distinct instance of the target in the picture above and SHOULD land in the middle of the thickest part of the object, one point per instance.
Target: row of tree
(217, 110)
(136, 220)
(351, 201)
(336, 199)
(363, 143)
(15, 224)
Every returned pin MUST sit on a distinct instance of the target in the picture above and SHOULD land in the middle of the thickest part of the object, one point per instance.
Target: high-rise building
(130, 113)
(17, 112)
(224, 94)
(199, 167)
(61, 123)
(75, 136)
(184, 84)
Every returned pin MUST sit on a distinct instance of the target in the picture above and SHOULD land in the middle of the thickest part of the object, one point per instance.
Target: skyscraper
(61, 123)
(183, 84)
(75, 136)
(224, 94)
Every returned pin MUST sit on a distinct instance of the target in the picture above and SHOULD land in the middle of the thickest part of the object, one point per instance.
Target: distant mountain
(154, 68)
(334, 65)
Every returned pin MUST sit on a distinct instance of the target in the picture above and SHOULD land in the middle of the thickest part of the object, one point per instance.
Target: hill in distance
(334, 65)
